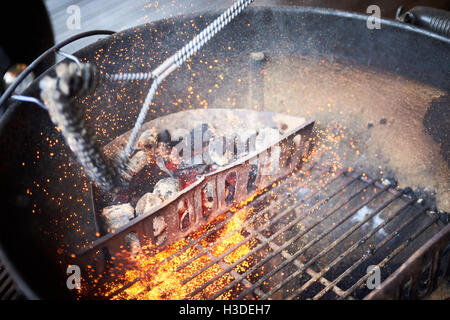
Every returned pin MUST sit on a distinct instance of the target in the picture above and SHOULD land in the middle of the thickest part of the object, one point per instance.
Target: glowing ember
(157, 277)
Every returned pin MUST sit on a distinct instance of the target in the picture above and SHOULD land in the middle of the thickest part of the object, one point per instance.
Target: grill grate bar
(320, 194)
(298, 264)
(407, 281)
(261, 246)
(342, 238)
(290, 241)
(123, 288)
(3, 274)
(253, 218)
(193, 242)
(9, 292)
(8, 289)
(5, 286)
(223, 265)
(308, 245)
(390, 256)
(355, 246)
(252, 234)
(369, 254)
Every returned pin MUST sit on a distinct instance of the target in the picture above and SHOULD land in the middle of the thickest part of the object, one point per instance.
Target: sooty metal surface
(311, 236)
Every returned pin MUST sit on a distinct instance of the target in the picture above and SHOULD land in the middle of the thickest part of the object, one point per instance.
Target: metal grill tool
(104, 172)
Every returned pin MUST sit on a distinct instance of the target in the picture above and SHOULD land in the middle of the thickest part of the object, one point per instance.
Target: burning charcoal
(197, 133)
(216, 147)
(162, 166)
(224, 160)
(163, 149)
(245, 141)
(159, 225)
(133, 244)
(297, 140)
(137, 162)
(148, 137)
(159, 230)
(221, 160)
(166, 188)
(178, 135)
(203, 127)
(146, 203)
(266, 137)
(117, 216)
(164, 136)
(174, 159)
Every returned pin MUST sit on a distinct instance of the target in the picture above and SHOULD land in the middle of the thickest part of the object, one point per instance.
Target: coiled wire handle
(59, 93)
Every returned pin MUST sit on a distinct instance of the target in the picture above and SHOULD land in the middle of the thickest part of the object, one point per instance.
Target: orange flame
(159, 278)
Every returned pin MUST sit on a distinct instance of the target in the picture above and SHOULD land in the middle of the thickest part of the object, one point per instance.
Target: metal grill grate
(313, 236)
(8, 290)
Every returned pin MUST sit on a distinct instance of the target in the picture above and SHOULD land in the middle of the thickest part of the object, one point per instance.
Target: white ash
(118, 215)
(266, 137)
(297, 140)
(146, 203)
(216, 146)
(159, 225)
(221, 160)
(148, 138)
(245, 141)
(161, 238)
(166, 188)
(137, 162)
(179, 134)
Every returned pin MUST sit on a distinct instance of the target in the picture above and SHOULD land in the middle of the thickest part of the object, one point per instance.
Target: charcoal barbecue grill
(372, 191)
